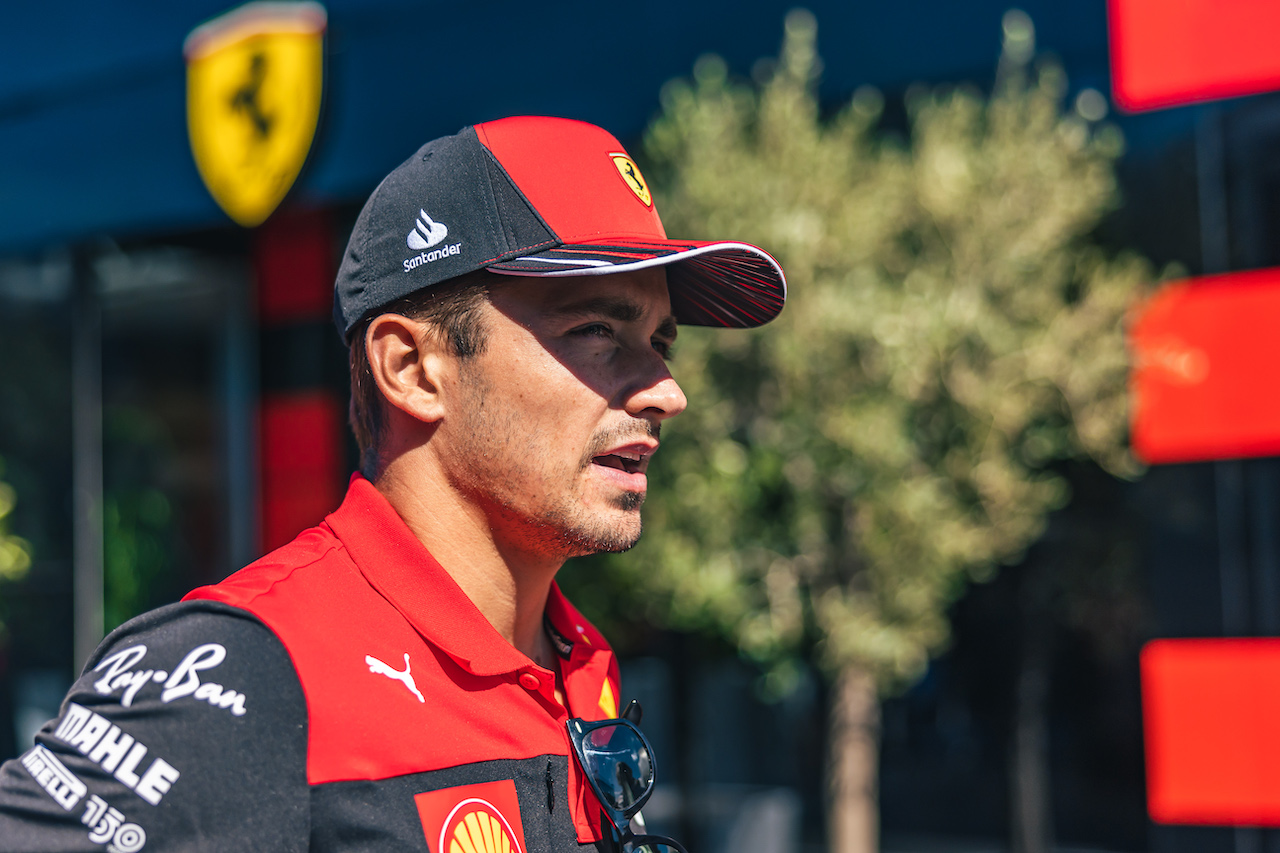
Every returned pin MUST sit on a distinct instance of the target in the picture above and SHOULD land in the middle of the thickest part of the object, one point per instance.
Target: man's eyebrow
(667, 328)
(615, 308)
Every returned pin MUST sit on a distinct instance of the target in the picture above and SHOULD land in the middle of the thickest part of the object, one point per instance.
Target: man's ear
(407, 362)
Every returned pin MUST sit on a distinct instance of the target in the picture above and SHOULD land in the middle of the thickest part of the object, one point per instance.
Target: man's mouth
(633, 462)
(629, 459)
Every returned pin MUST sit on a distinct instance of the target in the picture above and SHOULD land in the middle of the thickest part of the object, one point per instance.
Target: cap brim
(734, 285)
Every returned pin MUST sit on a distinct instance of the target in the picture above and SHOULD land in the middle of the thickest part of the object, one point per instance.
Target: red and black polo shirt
(340, 693)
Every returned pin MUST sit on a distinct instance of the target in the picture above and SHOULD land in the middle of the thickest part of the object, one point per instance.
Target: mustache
(620, 435)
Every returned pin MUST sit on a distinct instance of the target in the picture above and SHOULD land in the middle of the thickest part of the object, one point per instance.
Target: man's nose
(659, 396)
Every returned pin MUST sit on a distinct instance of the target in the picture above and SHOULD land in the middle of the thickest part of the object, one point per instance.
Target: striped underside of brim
(736, 290)
(726, 285)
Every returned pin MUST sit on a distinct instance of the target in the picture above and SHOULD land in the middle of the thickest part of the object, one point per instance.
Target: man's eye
(666, 349)
(594, 330)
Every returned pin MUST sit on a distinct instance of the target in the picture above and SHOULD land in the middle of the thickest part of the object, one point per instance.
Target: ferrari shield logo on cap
(253, 100)
(632, 178)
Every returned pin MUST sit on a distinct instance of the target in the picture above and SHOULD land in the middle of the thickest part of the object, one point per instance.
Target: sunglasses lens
(654, 844)
(617, 760)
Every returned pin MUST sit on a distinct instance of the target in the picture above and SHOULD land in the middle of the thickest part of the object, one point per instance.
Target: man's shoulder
(313, 558)
(314, 597)
(164, 651)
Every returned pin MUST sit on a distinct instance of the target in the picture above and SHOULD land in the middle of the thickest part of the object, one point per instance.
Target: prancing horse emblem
(379, 668)
(254, 82)
(632, 178)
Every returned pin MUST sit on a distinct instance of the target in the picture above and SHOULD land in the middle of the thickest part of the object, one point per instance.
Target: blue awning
(92, 95)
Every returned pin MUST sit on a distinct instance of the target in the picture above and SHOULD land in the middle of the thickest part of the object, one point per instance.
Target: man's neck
(507, 584)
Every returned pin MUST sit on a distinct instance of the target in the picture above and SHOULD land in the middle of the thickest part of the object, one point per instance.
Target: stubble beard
(493, 443)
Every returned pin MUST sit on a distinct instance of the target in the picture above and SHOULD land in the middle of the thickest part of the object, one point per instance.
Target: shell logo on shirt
(477, 827)
(482, 818)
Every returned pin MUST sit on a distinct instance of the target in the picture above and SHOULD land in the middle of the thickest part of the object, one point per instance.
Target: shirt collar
(590, 668)
(399, 567)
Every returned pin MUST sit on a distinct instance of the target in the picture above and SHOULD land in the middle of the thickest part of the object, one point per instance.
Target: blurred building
(173, 379)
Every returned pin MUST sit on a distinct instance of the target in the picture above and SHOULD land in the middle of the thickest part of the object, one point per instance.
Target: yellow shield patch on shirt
(608, 704)
(253, 100)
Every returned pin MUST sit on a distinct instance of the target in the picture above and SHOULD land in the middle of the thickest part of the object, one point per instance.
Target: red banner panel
(302, 464)
(1210, 721)
(1206, 365)
(1167, 53)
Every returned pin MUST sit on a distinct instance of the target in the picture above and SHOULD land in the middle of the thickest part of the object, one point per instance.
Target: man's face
(551, 427)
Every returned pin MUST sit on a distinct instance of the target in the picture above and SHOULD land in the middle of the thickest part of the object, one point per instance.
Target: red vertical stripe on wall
(301, 429)
(294, 262)
(301, 460)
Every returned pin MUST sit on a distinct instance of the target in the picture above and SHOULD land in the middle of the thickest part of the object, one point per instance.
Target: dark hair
(453, 309)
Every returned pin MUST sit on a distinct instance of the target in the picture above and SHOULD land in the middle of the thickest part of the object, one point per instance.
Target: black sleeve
(186, 731)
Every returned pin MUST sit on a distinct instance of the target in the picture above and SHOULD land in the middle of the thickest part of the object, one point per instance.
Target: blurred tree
(15, 553)
(951, 333)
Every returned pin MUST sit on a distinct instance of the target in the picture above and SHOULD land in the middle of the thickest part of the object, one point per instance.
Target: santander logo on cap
(426, 232)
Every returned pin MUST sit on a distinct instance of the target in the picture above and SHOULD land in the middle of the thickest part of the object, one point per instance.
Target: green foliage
(950, 334)
(136, 552)
(138, 529)
(15, 553)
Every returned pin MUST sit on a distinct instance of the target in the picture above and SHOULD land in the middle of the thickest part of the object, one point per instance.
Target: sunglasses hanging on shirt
(618, 763)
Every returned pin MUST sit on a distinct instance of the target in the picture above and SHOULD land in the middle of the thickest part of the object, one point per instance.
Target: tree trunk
(854, 807)
(1031, 802)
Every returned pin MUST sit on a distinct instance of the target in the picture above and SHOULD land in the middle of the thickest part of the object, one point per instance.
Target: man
(400, 677)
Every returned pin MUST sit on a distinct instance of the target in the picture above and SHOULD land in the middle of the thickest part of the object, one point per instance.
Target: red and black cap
(534, 196)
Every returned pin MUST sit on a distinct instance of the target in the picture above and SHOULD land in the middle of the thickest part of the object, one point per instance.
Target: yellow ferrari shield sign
(253, 100)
